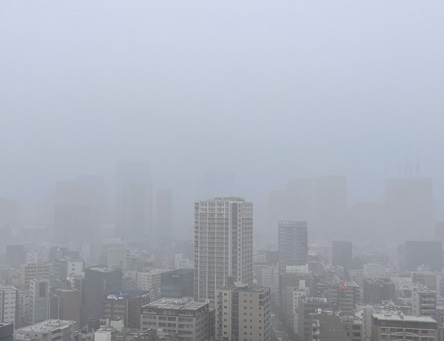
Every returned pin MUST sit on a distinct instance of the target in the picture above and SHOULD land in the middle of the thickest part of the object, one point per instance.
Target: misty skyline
(268, 92)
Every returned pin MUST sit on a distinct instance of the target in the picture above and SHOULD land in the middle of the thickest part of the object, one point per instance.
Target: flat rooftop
(45, 326)
(176, 304)
(395, 316)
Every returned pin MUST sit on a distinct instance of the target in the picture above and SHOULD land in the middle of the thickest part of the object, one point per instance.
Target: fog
(221, 98)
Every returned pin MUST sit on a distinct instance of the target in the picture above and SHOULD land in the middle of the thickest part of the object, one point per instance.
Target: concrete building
(151, 281)
(293, 241)
(306, 307)
(126, 305)
(33, 271)
(342, 254)
(98, 282)
(6, 331)
(40, 300)
(223, 232)
(9, 305)
(118, 258)
(375, 290)
(189, 320)
(177, 283)
(327, 326)
(423, 302)
(69, 305)
(397, 326)
(243, 312)
(49, 330)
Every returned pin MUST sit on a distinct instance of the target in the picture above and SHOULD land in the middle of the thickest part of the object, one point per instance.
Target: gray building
(293, 249)
(177, 283)
(49, 330)
(342, 254)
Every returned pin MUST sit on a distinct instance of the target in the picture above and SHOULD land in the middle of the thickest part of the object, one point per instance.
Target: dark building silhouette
(177, 283)
(378, 289)
(98, 282)
(416, 253)
(134, 200)
(293, 242)
(69, 305)
(126, 305)
(6, 331)
(342, 254)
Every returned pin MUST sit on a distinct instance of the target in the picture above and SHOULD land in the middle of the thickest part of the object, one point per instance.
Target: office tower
(177, 283)
(397, 326)
(223, 232)
(15, 255)
(69, 305)
(78, 209)
(421, 253)
(126, 305)
(49, 330)
(409, 207)
(293, 249)
(189, 320)
(34, 271)
(243, 312)
(40, 300)
(134, 200)
(164, 214)
(118, 258)
(98, 282)
(376, 290)
(8, 305)
(329, 326)
(342, 254)
(439, 231)
(6, 331)
(330, 205)
(151, 281)
(424, 302)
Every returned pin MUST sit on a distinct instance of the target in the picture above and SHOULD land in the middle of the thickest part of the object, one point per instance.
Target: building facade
(223, 236)
(293, 241)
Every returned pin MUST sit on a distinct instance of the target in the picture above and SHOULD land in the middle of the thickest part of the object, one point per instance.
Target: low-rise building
(126, 305)
(189, 320)
(49, 330)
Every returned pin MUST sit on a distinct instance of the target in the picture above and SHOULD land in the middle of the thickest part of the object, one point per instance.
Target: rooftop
(125, 295)
(398, 316)
(176, 304)
(45, 326)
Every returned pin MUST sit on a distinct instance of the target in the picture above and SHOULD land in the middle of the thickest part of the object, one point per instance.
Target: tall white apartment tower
(223, 244)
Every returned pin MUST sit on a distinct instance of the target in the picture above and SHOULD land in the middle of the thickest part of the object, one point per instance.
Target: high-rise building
(185, 318)
(34, 271)
(342, 254)
(98, 282)
(243, 312)
(223, 236)
(134, 200)
(409, 207)
(8, 305)
(78, 209)
(126, 305)
(69, 305)
(423, 302)
(40, 300)
(421, 253)
(164, 214)
(293, 242)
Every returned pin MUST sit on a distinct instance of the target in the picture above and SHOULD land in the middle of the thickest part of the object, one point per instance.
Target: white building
(8, 305)
(150, 281)
(39, 290)
(32, 271)
(223, 232)
(49, 330)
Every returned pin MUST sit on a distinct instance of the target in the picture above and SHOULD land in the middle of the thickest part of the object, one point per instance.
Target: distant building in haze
(342, 254)
(134, 200)
(293, 243)
(177, 283)
(417, 253)
(164, 214)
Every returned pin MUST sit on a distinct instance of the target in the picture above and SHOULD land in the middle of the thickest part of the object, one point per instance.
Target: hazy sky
(268, 90)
